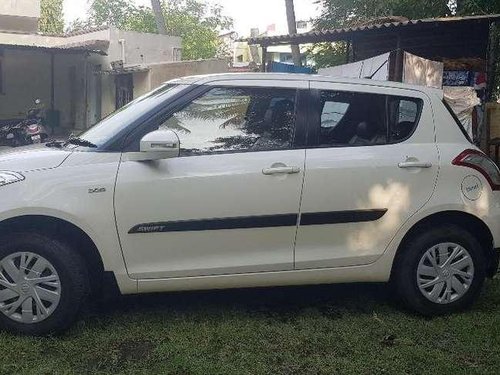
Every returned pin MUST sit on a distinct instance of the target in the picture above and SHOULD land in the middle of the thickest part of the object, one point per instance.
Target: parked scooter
(29, 131)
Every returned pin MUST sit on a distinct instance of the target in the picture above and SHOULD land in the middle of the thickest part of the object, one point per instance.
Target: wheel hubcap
(445, 273)
(30, 288)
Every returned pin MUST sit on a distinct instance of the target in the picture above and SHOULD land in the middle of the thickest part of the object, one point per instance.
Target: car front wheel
(43, 283)
(440, 270)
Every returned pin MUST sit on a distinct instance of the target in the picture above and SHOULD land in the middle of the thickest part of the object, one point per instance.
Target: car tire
(430, 290)
(51, 279)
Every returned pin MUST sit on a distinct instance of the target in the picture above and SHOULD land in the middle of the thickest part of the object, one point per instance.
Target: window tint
(229, 119)
(362, 119)
(352, 119)
(404, 114)
(111, 126)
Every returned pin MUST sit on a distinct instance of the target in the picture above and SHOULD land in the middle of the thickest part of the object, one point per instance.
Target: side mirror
(158, 145)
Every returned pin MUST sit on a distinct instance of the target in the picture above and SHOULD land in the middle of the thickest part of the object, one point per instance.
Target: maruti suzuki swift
(250, 180)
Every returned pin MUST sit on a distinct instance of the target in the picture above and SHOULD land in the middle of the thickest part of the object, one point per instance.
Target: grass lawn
(308, 330)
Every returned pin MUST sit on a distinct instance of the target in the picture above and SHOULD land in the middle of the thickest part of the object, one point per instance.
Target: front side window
(111, 126)
(233, 119)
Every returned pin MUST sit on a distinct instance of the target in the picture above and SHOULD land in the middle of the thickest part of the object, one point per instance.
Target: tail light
(480, 162)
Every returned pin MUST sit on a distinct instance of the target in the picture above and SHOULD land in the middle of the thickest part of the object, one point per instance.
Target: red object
(480, 81)
(483, 164)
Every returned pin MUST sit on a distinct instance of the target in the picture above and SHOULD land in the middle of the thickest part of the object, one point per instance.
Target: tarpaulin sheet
(422, 72)
(377, 66)
(462, 100)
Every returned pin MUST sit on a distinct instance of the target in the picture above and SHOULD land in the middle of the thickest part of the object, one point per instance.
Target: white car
(250, 180)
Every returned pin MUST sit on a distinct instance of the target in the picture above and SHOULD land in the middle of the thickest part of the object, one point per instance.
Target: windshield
(104, 131)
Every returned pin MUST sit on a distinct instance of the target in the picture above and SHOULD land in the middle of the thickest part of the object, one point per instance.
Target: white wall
(142, 48)
(19, 15)
(23, 8)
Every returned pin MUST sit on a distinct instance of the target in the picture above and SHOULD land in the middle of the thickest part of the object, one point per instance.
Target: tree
(195, 21)
(159, 17)
(51, 17)
(292, 29)
(342, 13)
(469, 7)
(345, 13)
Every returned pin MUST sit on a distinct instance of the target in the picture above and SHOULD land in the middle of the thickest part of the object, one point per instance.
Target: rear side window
(403, 117)
(350, 119)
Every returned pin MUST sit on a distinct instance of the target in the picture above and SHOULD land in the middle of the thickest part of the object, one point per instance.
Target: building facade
(84, 76)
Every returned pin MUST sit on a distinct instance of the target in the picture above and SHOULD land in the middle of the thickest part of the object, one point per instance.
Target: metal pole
(292, 29)
(52, 82)
(264, 59)
(491, 58)
(399, 61)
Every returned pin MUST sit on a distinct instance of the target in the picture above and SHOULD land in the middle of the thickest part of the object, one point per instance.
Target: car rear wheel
(43, 284)
(441, 270)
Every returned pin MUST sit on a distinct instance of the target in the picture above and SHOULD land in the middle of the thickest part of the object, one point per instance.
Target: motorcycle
(29, 131)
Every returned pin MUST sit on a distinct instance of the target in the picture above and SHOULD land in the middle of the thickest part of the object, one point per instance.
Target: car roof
(211, 78)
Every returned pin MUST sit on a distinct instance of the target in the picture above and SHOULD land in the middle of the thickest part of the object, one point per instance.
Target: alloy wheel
(30, 287)
(445, 273)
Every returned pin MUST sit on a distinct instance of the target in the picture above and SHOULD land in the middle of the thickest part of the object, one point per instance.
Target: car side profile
(250, 180)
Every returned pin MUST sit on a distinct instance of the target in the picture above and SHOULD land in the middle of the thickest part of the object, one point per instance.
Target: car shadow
(276, 301)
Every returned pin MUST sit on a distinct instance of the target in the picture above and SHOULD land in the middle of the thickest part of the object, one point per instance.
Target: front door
(371, 165)
(229, 204)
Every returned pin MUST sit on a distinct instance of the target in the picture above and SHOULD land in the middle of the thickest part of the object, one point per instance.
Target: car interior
(361, 121)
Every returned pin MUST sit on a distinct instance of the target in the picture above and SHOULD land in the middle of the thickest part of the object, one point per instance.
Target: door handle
(415, 164)
(280, 170)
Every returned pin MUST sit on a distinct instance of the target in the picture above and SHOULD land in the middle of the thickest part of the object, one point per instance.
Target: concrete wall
(27, 72)
(19, 15)
(26, 76)
(20, 8)
(142, 48)
(160, 73)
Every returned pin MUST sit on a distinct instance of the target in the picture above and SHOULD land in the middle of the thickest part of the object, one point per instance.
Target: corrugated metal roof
(337, 34)
(77, 32)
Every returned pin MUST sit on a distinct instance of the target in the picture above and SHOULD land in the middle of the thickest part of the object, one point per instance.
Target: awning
(350, 32)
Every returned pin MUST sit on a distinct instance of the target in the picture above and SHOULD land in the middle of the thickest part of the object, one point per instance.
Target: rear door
(372, 162)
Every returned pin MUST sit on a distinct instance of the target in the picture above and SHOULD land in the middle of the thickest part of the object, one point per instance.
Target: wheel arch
(465, 220)
(66, 231)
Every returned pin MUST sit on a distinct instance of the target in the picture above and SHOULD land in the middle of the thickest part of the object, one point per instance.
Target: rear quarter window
(457, 121)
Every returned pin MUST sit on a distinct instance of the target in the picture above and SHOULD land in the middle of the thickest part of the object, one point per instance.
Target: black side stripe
(268, 221)
(341, 217)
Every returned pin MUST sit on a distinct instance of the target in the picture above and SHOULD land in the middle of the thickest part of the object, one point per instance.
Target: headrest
(366, 130)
